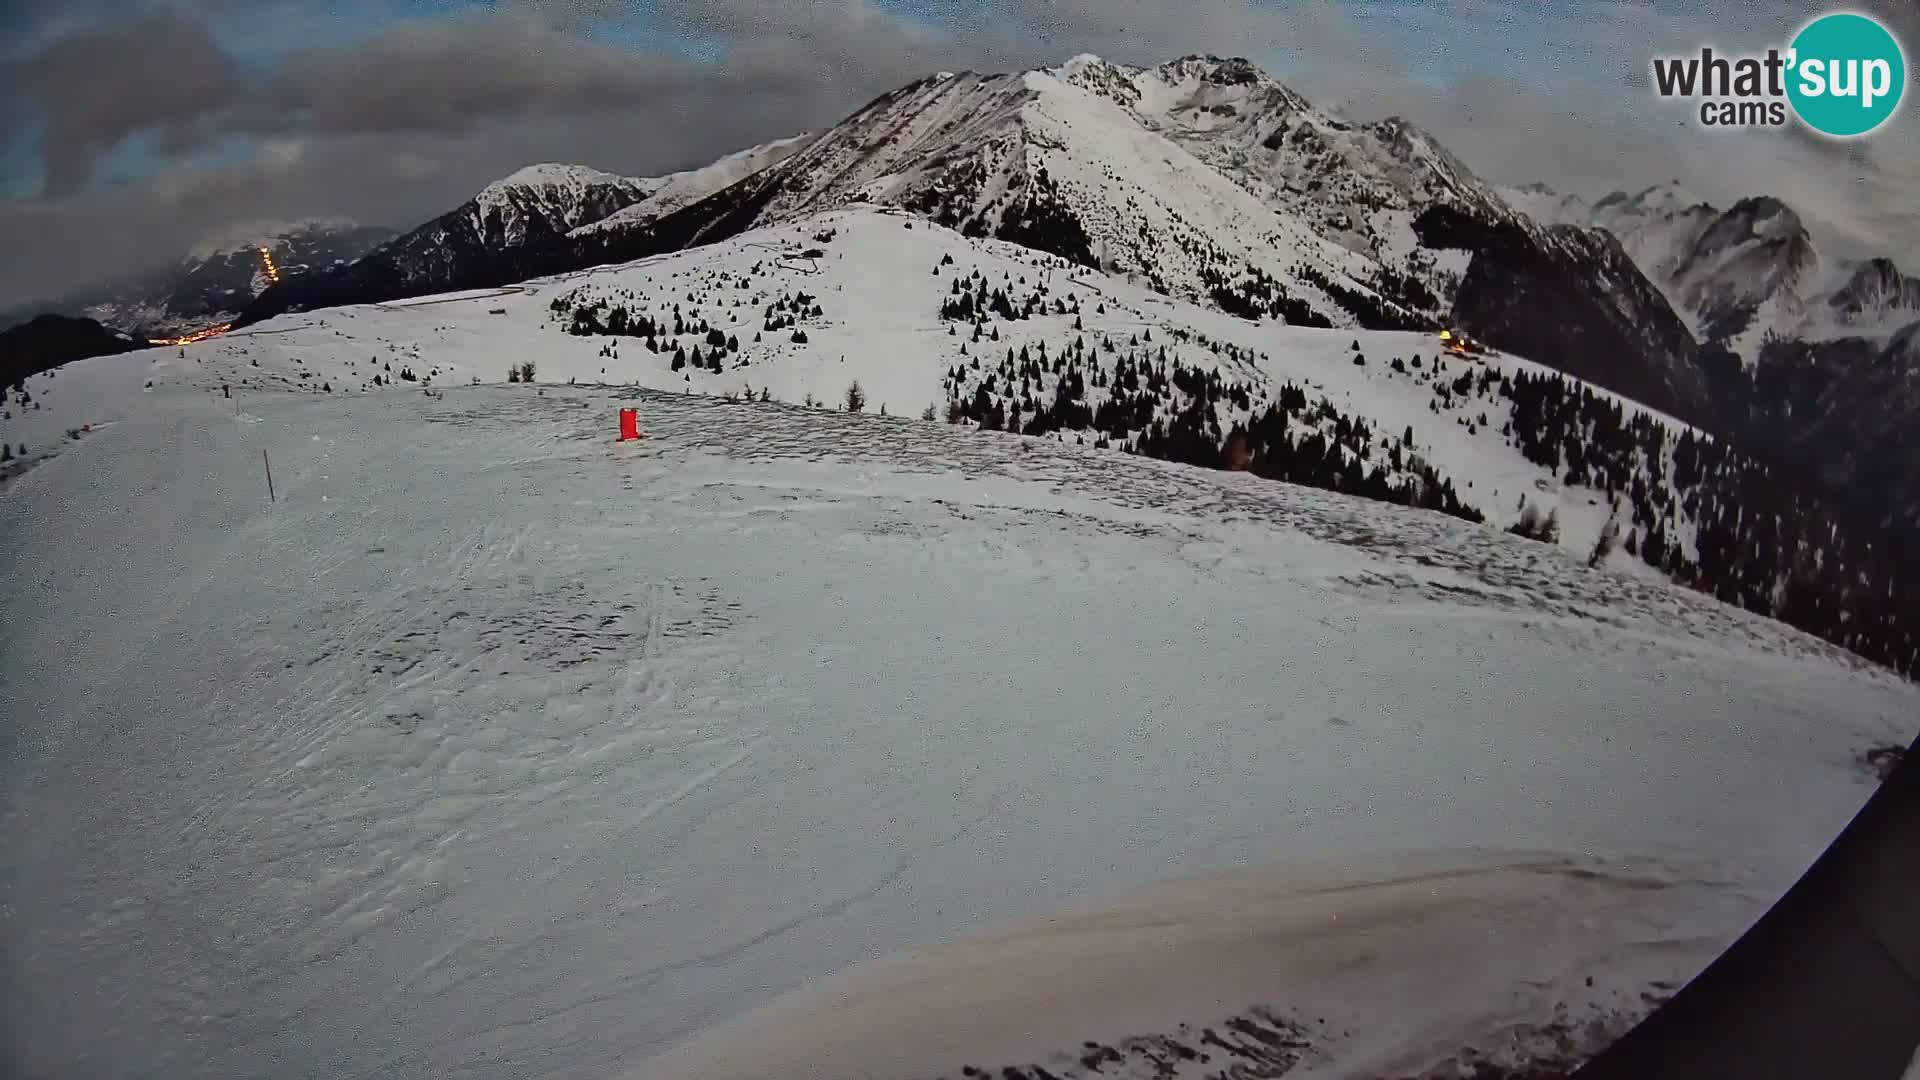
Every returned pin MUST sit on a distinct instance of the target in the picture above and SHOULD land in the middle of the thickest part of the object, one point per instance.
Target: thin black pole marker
(269, 465)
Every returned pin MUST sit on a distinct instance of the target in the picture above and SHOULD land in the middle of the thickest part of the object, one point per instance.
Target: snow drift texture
(494, 747)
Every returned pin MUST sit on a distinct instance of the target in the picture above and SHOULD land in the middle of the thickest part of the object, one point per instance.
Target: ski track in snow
(495, 747)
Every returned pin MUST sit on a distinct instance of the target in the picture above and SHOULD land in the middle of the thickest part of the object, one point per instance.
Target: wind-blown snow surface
(495, 748)
(1542, 959)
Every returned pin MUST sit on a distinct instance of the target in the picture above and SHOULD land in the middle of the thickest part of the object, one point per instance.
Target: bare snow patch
(1410, 964)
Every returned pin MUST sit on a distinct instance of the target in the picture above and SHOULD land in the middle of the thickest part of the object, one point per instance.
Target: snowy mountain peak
(1277, 145)
(1208, 181)
(1738, 276)
(1084, 63)
(1359, 185)
(1763, 223)
(1091, 161)
(1090, 73)
(1209, 89)
(1547, 206)
(1768, 217)
(1221, 71)
(1667, 198)
(249, 236)
(501, 234)
(554, 176)
(550, 199)
(1203, 178)
(1741, 276)
(1876, 292)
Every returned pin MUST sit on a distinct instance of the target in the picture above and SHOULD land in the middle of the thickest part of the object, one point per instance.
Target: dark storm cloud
(1903, 18)
(156, 70)
(457, 74)
(414, 118)
(454, 74)
(406, 122)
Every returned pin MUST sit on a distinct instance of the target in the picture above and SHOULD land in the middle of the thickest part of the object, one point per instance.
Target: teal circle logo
(1846, 75)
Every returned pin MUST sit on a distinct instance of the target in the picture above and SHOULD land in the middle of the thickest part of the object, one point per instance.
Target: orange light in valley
(197, 335)
(267, 267)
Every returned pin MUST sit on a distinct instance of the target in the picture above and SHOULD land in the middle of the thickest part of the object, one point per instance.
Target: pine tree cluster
(1256, 294)
(1146, 400)
(972, 299)
(1373, 312)
(1760, 542)
(788, 310)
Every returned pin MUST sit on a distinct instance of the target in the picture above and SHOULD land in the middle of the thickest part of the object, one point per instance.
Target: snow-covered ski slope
(1403, 964)
(496, 748)
(879, 279)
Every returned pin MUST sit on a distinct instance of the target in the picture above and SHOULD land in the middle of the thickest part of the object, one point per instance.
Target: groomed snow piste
(495, 748)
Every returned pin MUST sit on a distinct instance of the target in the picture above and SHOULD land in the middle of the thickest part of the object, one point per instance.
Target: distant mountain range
(1812, 361)
(524, 225)
(1780, 470)
(1207, 180)
(1203, 177)
(1744, 275)
(213, 284)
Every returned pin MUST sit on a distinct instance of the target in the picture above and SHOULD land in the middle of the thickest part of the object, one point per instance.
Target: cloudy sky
(132, 129)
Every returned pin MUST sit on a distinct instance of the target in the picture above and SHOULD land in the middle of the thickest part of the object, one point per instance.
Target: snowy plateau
(490, 746)
(915, 700)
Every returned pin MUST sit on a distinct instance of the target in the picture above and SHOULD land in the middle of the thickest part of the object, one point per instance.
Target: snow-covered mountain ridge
(551, 197)
(1809, 358)
(1743, 275)
(1204, 179)
(247, 235)
(1211, 182)
(677, 190)
(520, 226)
(986, 333)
